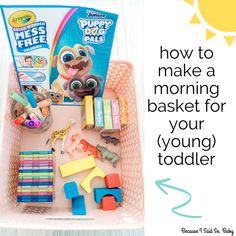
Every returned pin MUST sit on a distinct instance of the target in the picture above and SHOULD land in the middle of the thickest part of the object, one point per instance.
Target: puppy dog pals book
(62, 52)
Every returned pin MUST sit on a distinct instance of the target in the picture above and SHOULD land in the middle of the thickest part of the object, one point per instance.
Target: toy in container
(26, 112)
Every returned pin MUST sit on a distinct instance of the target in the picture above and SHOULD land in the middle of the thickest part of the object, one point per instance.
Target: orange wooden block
(112, 181)
(108, 203)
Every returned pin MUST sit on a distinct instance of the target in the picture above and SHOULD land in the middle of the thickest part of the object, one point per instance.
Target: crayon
(50, 153)
(36, 171)
(34, 194)
(35, 183)
(34, 198)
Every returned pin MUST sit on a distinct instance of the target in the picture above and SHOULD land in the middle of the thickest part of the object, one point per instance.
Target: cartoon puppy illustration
(78, 88)
(71, 63)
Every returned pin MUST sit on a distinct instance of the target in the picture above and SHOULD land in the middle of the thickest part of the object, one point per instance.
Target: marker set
(32, 112)
(35, 177)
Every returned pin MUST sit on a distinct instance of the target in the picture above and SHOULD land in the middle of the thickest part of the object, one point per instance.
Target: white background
(212, 187)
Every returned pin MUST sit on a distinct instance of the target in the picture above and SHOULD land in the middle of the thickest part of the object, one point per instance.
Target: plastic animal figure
(56, 97)
(110, 139)
(87, 147)
(75, 145)
(61, 134)
(106, 154)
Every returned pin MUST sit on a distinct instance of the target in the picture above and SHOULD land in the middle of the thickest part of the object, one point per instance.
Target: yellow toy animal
(61, 134)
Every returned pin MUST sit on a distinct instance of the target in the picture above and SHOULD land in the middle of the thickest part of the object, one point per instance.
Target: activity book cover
(60, 51)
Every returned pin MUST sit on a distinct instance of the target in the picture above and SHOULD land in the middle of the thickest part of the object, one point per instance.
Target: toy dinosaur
(87, 147)
(110, 139)
(106, 154)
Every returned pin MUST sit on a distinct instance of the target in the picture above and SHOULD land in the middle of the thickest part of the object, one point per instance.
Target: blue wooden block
(99, 193)
(71, 190)
(78, 205)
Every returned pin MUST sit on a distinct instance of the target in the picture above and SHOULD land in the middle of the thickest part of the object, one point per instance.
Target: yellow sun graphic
(219, 15)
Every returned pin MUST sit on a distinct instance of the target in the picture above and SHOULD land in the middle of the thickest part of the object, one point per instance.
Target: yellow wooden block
(87, 113)
(96, 172)
(77, 166)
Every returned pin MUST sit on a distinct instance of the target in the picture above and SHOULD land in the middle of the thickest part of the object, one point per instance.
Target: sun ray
(209, 34)
(195, 20)
(225, 22)
(229, 39)
(191, 2)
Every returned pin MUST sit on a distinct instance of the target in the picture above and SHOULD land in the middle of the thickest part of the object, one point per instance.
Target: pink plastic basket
(58, 215)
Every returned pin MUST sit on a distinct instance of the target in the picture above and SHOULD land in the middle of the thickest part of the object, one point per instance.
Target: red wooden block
(112, 181)
(108, 203)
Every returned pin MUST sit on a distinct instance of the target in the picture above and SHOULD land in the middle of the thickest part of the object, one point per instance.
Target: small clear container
(18, 109)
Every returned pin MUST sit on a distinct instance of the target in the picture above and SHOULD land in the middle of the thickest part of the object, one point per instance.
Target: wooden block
(107, 115)
(71, 190)
(99, 193)
(87, 113)
(98, 113)
(115, 114)
(96, 172)
(124, 116)
(77, 166)
(112, 181)
(78, 205)
(108, 203)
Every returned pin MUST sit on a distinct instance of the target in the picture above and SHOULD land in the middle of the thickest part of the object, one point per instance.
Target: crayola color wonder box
(61, 50)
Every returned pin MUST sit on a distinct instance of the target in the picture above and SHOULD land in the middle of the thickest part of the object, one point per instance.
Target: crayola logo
(21, 18)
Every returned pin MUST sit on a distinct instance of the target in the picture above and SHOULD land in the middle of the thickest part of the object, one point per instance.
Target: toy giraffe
(61, 134)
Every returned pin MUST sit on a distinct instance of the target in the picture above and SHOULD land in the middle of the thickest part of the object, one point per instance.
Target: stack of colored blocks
(36, 177)
(78, 166)
(108, 115)
(78, 203)
(109, 196)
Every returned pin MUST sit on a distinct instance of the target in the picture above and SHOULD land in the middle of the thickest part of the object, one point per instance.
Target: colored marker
(37, 122)
(31, 99)
(38, 113)
(20, 119)
(29, 123)
(33, 103)
(19, 99)
(45, 112)
(45, 103)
